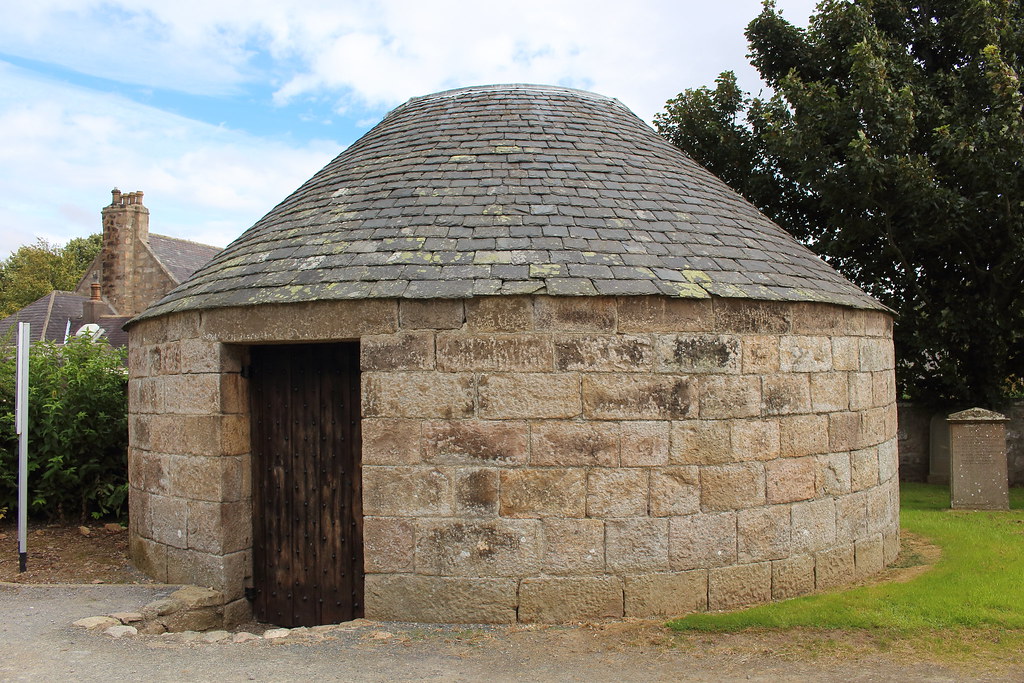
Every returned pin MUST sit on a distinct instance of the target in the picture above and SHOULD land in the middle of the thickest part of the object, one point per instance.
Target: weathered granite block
(732, 487)
(843, 431)
(394, 352)
(801, 435)
(805, 354)
(478, 442)
(815, 318)
(406, 492)
(144, 395)
(792, 576)
(876, 354)
(763, 533)
(814, 525)
(575, 314)
(755, 439)
(543, 493)
(494, 547)
(301, 321)
(758, 317)
(476, 491)
(833, 476)
(727, 396)
(151, 472)
(618, 492)
(149, 557)
(833, 567)
(791, 479)
(702, 540)
(604, 353)
(457, 352)
(698, 353)
(830, 392)
(219, 528)
(440, 599)
(660, 314)
(636, 545)
(786, 394)
(701, 442)
(760, 354)
(845, 354)
(172, 513)
(431, 314)
(529, 395)
(638, 397)
(557, 600)
(417, 394)
(644, 444)
(868, 555)
(573, 546)
(851, 517)
(499, 314)
(745, 584)
(200, 355)
(572, 444)
(388, 544)
(862, 390)
(224, 478)
(225, 573)
(864, 469)
(390, 442)
(666, 595)
(674, 491)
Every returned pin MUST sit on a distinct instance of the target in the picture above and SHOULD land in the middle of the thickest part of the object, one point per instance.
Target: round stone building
(512, 356)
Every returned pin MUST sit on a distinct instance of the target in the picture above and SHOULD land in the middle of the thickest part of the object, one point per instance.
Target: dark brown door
(307, 505)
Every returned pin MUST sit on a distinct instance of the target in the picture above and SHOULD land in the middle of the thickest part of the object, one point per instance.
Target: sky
(219, 109)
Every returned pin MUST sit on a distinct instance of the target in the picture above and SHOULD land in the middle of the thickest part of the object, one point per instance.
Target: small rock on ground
(121, 630)
(97, 623)
(244, 636)
(273, 633)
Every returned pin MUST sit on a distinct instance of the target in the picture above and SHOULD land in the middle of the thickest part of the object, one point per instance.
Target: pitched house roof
(517, 189)
(49, 316)
(180, 257)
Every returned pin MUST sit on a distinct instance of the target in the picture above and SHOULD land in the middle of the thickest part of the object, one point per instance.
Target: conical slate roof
(513, 189)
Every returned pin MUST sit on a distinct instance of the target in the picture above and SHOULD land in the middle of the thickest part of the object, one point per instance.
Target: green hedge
(78, 431)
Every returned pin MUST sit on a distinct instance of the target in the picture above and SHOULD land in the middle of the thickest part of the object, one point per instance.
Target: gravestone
(977, 449)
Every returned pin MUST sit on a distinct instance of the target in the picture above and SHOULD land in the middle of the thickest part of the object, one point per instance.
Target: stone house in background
(134, 269)
(511, 356)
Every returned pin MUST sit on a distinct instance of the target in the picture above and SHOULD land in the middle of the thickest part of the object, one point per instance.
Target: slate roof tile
(511, 190)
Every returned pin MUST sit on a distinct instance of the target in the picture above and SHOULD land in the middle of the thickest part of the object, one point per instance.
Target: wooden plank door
(307, 493)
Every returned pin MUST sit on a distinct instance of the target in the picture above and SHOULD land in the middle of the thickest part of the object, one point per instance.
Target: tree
(78, 430)
(893, 145)
(35, 270)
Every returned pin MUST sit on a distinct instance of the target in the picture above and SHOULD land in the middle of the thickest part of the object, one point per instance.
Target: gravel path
(38, 642)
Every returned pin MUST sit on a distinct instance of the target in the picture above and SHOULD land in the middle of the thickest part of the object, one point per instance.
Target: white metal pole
(21, 425)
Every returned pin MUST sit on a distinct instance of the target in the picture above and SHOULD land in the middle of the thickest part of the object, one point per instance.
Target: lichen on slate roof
(513, 189)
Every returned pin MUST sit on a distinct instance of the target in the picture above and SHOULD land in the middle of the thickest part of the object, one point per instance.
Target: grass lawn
(976, 589)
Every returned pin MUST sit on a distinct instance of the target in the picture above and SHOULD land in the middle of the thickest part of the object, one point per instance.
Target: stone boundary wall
(546, 459)
(914, 440)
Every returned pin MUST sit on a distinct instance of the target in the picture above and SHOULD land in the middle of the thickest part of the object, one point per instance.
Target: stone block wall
(548, 459)
(189, 470)
(914, 438)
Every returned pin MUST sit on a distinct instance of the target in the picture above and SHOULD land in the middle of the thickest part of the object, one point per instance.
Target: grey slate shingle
(506, 190)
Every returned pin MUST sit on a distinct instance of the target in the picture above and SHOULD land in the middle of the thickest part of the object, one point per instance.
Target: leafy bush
(78, 430)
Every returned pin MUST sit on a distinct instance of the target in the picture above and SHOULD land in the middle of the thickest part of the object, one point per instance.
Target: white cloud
(380, 53)
(62, 149)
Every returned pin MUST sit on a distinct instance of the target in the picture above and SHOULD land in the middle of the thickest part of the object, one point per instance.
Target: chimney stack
(125, 234)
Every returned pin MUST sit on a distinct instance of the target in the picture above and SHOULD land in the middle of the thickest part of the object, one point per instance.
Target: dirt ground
(65, 554)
